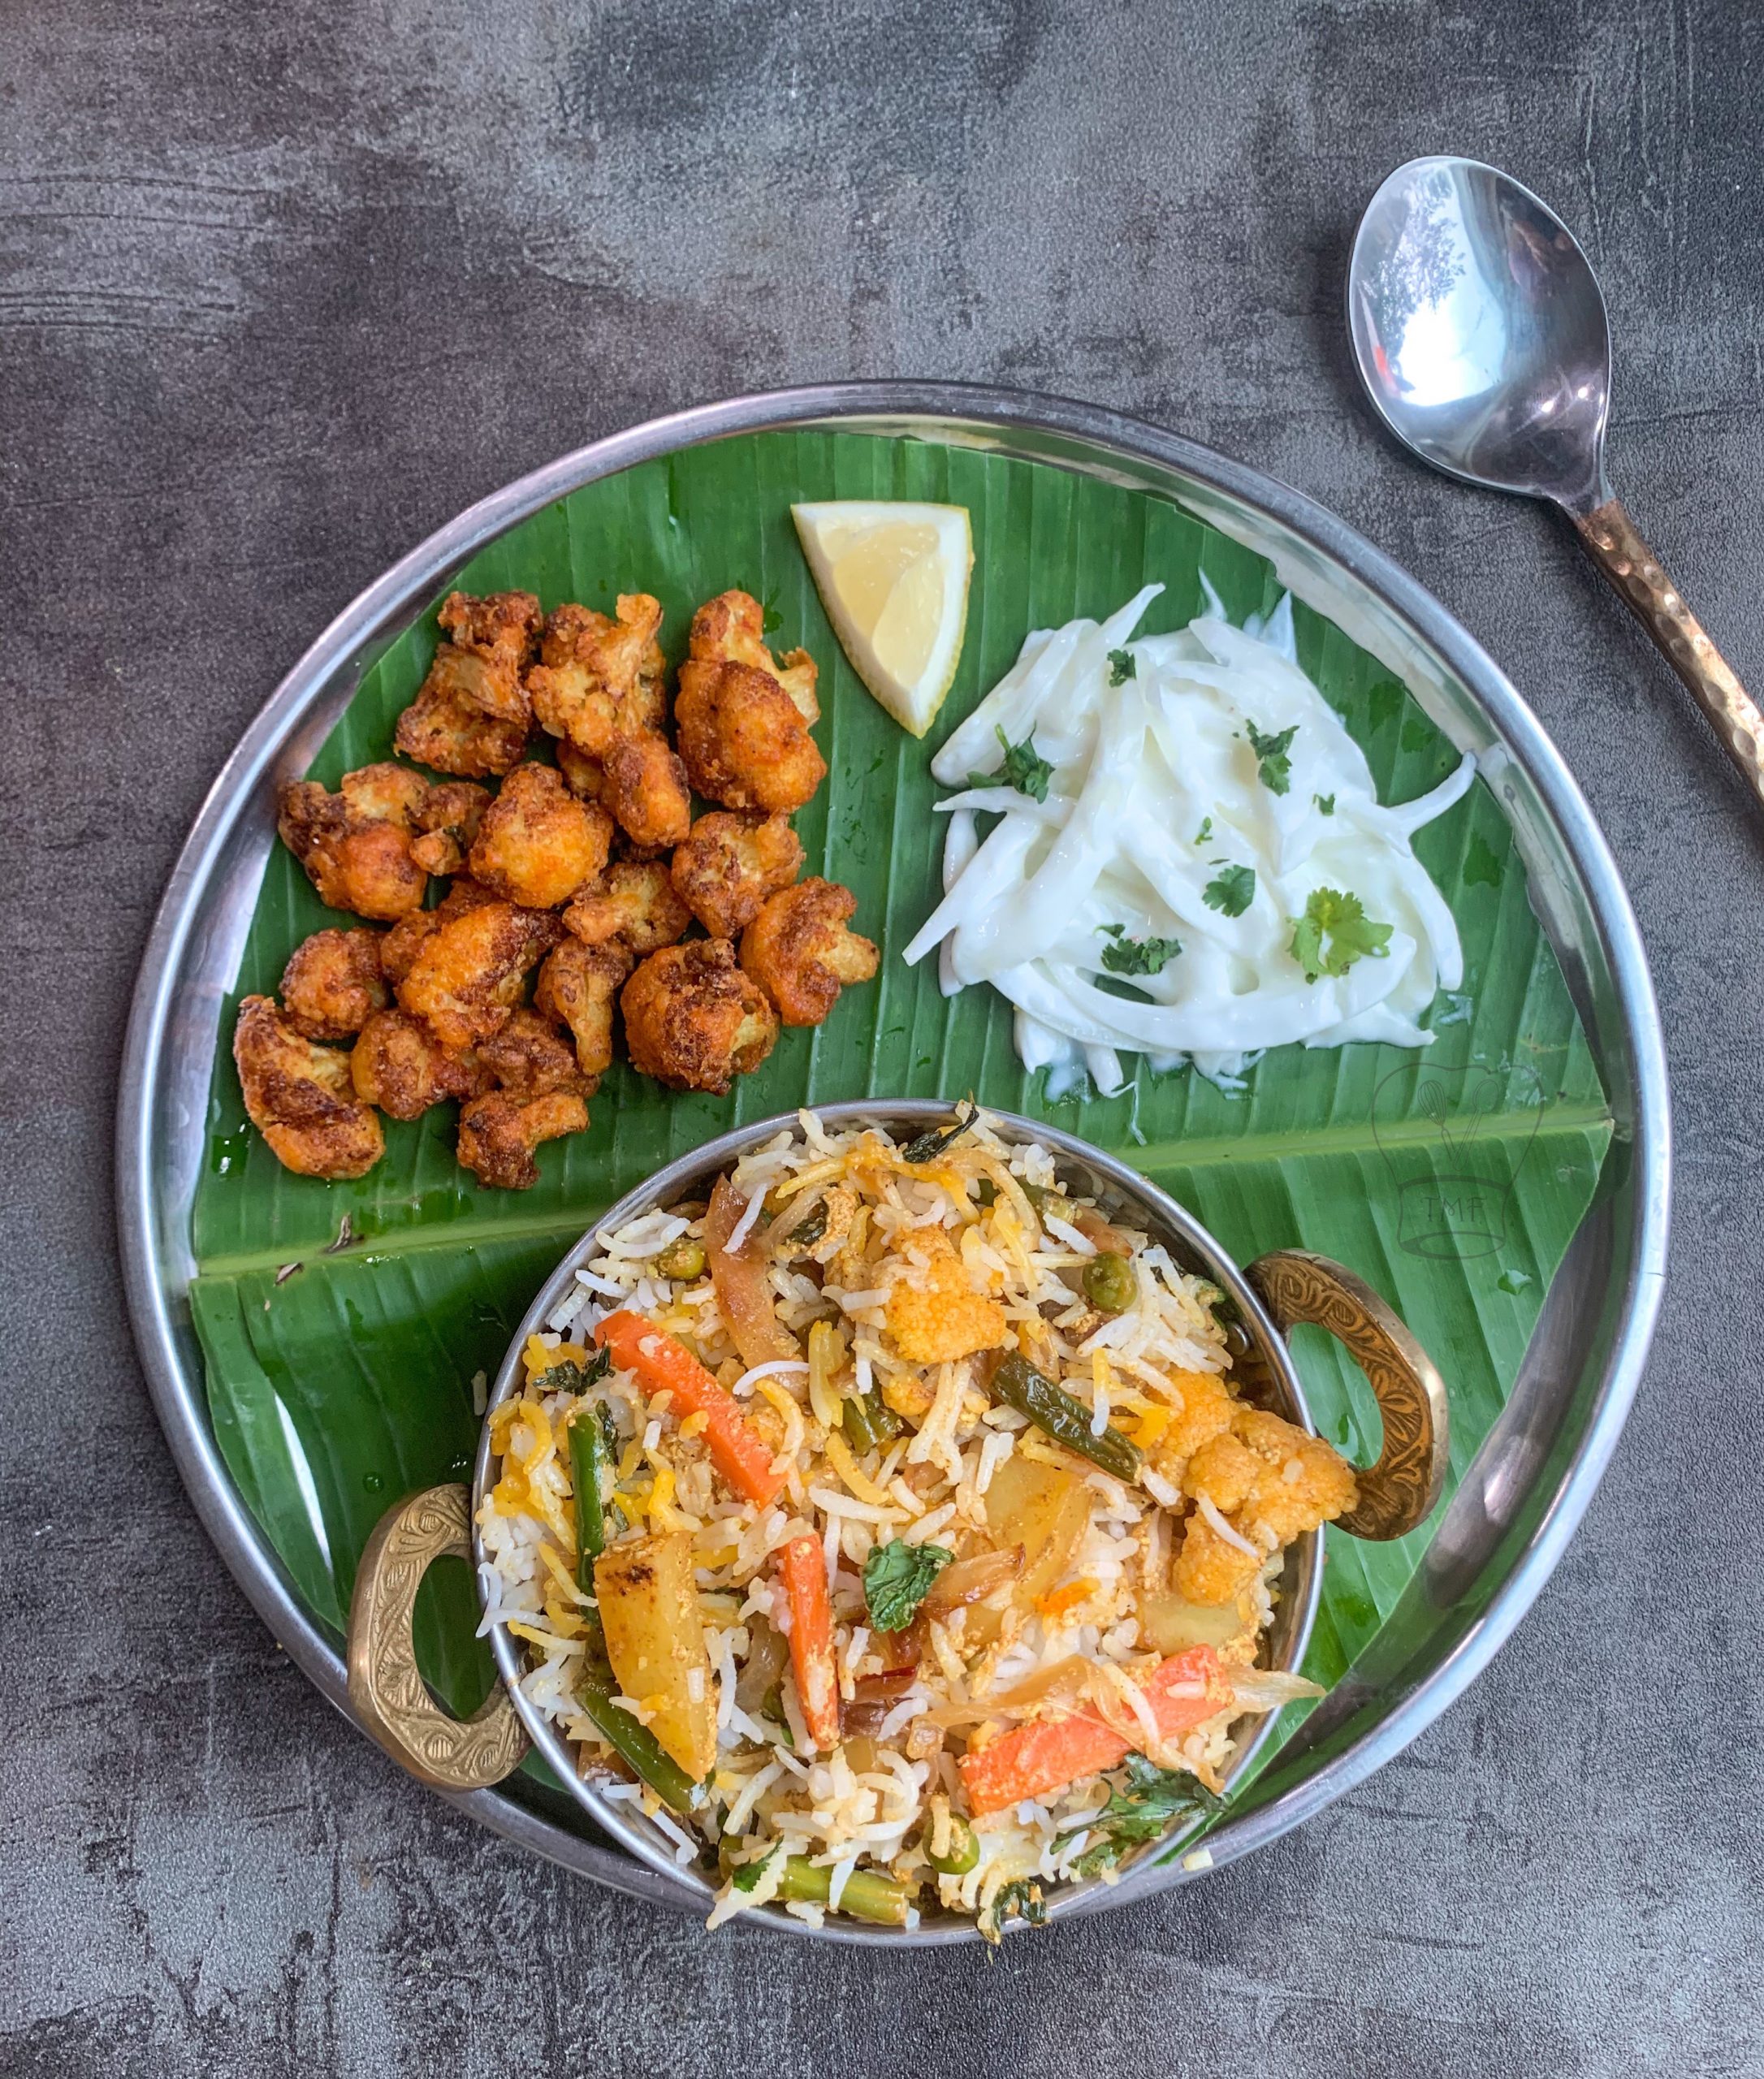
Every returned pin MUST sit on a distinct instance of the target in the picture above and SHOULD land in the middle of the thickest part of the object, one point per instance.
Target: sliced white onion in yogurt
(1155, 790)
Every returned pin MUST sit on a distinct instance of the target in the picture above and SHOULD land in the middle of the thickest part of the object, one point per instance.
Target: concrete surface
(283, 287)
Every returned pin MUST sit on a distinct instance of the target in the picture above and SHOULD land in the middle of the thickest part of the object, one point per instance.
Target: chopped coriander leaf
(1137, 956)
(1231, 892)
(1121, 667)
(567, 1377)
(1023, 769)
(1152, 1802)
(1334, 932)
(746, 1877)
(897, 1578)
(1023, 1899)
(1326, 804)
(937, 1140)
(1205, 831)
(1271, 758)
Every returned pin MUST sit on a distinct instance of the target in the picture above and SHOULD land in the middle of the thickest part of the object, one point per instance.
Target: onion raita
(1207, 822)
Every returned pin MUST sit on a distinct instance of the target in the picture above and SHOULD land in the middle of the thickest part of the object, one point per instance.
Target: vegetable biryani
(888, 1529)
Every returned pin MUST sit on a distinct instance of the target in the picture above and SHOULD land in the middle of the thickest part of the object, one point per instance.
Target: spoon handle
(1634, 570)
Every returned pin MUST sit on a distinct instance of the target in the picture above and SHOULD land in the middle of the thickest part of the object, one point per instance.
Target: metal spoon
(1481, 336)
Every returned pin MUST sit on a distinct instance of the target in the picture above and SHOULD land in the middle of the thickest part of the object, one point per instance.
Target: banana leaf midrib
(1151, 1158)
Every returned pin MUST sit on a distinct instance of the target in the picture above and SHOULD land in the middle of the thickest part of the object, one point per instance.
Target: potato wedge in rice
(649, 1611)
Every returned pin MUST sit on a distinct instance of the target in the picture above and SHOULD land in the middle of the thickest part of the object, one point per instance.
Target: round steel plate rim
(179, 1400)
(666, 1183)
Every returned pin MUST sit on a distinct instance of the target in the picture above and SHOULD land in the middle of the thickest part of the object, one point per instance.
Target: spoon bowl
(1480, 332)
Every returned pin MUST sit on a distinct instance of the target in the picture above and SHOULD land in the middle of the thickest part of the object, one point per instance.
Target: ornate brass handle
(389, 1694)
(1635, 572)
(1399, 1491)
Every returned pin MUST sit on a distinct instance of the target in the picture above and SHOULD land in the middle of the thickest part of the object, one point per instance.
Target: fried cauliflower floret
(1209, 1568)
(633, 902)
(585, 776)
(471, 715)
(1202, 1408)
(469, 973)
(301, 1097)
(497, 1134)
(579, 985)
(730, 629)
(644, 785)
(398, 947)
(799, 952)
(729, 864)
(743, 739)
(448, 819)
(446, 730)
(399, 1065)
(596, 678)
(354, 844)
(1302, 1481)
(1270, 1482)
(693, 1020)
(531, 1057)
(384, 793)
(332, 984)
(538, 844)
(933, 1315)
(493, 642)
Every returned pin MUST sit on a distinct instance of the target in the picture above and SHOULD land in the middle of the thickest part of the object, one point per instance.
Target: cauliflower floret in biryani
(933, 1315)
(896, 1536)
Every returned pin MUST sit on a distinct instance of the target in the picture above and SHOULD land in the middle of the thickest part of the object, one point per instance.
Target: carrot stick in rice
(737, 1450)
(1033, 1760)
(803, 1566)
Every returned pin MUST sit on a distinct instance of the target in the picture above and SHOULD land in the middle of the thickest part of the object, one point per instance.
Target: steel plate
(1522, 1496)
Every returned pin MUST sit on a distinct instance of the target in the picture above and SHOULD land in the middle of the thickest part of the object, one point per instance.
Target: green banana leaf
(342, 1324)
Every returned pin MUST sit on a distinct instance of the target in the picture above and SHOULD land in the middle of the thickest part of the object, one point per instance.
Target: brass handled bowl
(1272, 1295)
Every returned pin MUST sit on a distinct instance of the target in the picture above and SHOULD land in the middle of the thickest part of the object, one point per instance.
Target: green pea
(684, 1258)
(1110, 1284)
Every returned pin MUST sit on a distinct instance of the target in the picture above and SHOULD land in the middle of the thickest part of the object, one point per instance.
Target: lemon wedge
(894, 580)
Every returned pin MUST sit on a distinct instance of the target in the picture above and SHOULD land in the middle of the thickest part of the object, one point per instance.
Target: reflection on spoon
(1482, 337)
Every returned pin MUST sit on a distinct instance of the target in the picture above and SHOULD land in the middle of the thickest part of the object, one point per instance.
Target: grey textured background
(284, 287)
